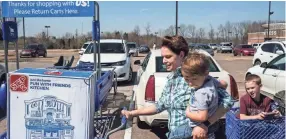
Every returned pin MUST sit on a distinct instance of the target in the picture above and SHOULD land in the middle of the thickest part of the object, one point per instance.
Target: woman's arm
(143, 111)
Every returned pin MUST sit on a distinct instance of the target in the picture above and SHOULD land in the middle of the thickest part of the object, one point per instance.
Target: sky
(124, 16)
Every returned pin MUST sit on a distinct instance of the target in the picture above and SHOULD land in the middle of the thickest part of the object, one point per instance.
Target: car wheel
(130, 75)
(234, 54)
(45, 55)
(257, 62)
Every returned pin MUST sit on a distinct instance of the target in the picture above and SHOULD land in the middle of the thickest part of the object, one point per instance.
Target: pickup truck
(152, 77)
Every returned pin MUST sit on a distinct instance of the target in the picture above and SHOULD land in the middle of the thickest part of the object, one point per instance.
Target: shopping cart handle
(123, 119)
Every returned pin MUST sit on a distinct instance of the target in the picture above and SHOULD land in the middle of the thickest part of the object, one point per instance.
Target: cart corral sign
(48, 106)
(48, 8)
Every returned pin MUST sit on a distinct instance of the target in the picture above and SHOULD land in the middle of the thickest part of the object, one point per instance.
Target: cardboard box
(55, 104)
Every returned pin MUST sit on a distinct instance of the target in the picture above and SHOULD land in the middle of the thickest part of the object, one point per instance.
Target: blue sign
(48, 8)
(10, 30)
(95, 30)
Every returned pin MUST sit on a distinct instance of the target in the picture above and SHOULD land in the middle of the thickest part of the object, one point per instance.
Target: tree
(192, 32)
(211, 33)
(148, 31)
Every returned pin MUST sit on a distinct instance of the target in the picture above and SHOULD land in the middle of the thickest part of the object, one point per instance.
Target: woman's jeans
(185, 132)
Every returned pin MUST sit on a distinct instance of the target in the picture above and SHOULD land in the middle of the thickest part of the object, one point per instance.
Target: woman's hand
(200, 132)
(127, 114)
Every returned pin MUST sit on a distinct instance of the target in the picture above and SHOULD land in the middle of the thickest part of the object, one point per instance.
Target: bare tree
(211, 33)
(201, 34)
(170, 31)
(192, 32)
(137, 33)
(183, 30)
(148, 31)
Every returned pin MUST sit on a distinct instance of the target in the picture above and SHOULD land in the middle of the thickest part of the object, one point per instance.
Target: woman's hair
(176, 44)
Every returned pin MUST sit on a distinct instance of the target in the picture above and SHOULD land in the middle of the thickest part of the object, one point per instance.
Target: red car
(243, 49)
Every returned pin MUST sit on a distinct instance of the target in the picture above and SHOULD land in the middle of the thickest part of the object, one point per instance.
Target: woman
(176, 93)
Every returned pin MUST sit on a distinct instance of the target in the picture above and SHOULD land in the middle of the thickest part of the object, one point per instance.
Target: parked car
(213, 45)
(268, 51)
(273, 76)
(133, 48)
(34, 50)
(144, 49)
(114, 54)
(202, 47)
(224, 48)
(152, 77)
(243, 50)
(256, 45)
(83, 47)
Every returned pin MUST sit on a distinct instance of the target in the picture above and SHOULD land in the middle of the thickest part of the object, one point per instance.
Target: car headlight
(120, 63)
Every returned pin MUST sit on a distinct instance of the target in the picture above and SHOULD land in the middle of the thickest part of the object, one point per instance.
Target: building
(276, 32)
(48, 118)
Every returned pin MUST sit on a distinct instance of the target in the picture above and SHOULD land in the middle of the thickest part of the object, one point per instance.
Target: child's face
(195, 81)
(253, 89)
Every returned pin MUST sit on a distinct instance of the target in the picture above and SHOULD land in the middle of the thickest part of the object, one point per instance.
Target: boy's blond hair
(253, 78)
(196, 64)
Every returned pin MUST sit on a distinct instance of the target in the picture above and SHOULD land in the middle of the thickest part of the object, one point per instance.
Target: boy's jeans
(185, 132)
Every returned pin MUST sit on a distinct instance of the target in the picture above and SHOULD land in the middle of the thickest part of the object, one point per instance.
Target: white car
(133, 48)
(225, 47)
(83, 48)
(268, 51)
(113, 54)
(272, 76)
(151, 79)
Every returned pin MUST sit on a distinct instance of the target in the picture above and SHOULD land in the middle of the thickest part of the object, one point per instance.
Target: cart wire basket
(254, 129)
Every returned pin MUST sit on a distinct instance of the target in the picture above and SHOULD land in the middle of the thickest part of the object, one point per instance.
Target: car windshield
(107, 48)
(246, 46)
(226, 45)
(85, 45)
(161, 67)
(204, 47)
(131, 45)
(212, 44)
(31, 46)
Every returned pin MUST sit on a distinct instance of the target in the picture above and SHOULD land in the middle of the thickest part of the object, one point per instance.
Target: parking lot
(236, 66)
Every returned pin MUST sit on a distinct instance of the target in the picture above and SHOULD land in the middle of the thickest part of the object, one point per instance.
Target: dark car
(34, 50)
(144, 49)
(243, 49)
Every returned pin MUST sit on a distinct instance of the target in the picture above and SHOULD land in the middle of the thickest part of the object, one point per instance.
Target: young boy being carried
(204, 101)
(254, 105)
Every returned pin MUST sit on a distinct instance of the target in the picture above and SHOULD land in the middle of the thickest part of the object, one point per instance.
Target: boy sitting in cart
(254, 105)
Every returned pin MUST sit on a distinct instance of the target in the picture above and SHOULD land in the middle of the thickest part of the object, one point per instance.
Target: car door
(266, 55)
(41, 49)
(280, 80)
(270, 74)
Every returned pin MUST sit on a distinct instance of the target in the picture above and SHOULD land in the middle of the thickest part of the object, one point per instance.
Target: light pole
(156, 37)
(176, 18)
(228, 36)
(269, 13)
(47, 27)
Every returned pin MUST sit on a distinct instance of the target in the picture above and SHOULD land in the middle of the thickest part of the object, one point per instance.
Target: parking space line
(128, 130)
